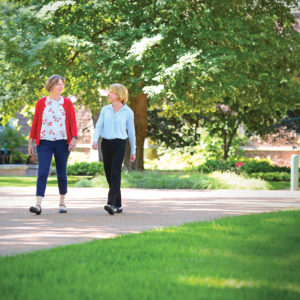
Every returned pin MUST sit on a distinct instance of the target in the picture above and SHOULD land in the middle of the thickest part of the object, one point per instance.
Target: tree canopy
(187, 56)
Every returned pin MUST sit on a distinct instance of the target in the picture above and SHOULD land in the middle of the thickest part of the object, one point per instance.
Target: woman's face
(113, 97)
(58, 87)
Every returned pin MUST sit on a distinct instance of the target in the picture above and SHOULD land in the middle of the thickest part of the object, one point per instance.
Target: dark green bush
(11, 138)
(272, 176)
(84, 168)
(251, 165)
(18, 157)
(216, 165)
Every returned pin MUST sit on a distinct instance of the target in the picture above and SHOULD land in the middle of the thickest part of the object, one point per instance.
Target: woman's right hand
(95, 146)
(30, 148)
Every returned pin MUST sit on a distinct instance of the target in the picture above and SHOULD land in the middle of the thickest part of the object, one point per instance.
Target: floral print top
(54, 120)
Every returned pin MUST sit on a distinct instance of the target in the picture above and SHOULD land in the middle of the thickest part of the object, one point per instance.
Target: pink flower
(239, 164)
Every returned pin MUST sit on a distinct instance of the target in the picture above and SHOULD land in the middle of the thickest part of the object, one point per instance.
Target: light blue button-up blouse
(113, 125)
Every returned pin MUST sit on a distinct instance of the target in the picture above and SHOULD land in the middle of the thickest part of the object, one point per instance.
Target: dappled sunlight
(217, 282)
(214, 282)
(142, 210)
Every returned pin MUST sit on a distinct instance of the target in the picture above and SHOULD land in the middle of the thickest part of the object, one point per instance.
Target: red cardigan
(71, 125)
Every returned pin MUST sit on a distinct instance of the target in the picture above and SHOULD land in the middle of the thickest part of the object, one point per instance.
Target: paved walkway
(21, 231)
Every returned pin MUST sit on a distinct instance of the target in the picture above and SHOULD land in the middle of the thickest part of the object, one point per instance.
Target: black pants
(113, 154)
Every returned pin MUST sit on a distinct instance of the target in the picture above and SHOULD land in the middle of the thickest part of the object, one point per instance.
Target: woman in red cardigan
(54, 129)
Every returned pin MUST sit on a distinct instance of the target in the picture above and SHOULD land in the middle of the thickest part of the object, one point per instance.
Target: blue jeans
(45, 151)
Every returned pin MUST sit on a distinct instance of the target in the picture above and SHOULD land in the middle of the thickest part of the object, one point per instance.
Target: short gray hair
(53, 80)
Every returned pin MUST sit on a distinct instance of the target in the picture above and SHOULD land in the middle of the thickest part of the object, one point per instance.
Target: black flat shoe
(35, 210)
(110, 209)
(62, 209)
(118, 210)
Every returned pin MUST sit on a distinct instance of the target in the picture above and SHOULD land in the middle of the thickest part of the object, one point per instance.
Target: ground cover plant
(159, 180)
(246, 257)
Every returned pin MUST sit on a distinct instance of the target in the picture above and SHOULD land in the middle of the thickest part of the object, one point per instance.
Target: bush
(216, 165)
(84, 183)
(251, 165)
(11, 138)
(18, 157)
(272, 176)
(84, 168)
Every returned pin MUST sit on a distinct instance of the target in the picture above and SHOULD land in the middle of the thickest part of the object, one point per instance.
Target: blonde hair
(52, 81)
(120, 90)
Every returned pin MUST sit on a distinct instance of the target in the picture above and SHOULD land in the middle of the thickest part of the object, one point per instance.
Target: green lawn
(159, 180)
(247, 257)
(279, 185)
(31, 180)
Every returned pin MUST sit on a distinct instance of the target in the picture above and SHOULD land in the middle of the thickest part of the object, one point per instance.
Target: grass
(279, 185)
(247, 257)
(159, 180)
(18, 181)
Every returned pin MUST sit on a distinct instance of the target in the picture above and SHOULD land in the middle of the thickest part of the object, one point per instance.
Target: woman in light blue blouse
(115, 125)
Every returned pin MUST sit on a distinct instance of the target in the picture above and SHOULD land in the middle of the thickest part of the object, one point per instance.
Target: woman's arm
(30, 147)
(33, 130)
(131, 132)
(72, 121)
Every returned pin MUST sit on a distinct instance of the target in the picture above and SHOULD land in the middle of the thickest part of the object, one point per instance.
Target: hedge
(84, 168)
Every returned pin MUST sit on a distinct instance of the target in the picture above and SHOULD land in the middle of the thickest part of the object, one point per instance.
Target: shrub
(11, 138)
(251, 165)
(272, 176)
(216, 165)
(18, 157)
(84, 168)
(84, 183)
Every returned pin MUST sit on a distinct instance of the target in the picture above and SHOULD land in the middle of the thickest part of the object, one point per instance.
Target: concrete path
(21, 231)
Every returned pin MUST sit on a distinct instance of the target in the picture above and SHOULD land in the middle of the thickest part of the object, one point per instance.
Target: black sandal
(34, 209)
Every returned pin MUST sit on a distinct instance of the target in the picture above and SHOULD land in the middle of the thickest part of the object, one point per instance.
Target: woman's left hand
(72, 145)
(132, 158)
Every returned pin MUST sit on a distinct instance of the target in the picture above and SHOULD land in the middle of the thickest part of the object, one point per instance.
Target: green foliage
(173, 131)
(272, 176)
(208, 147)
(251, 166)
(184, 180)
(11, 139)
(18, 157)
(84, 168)
(84, 183)
(243, 57)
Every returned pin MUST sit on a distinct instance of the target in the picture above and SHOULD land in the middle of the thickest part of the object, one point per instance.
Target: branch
(73, 58)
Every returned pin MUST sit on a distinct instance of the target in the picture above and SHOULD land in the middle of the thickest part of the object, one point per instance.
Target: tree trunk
(95, 119)
(139, 106)
(228, 145)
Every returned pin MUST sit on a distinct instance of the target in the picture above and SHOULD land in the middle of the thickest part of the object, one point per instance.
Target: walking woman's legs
(44, 152)
(61, 154)
(116, 166)
(107, 161)
(113, 155)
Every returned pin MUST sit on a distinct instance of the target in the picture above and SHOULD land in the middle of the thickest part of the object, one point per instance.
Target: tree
(198, 54)
(172, 131)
